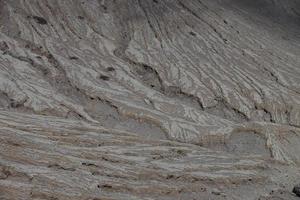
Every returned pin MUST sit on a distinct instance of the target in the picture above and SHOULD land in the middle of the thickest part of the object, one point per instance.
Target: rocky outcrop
(142, 99)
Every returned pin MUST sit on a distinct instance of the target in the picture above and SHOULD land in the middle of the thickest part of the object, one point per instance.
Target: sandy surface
(149, 99)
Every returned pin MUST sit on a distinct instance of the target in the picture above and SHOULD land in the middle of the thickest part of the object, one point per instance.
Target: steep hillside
(149, 99)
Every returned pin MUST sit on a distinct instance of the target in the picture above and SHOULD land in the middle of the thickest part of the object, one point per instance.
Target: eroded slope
(92, 79)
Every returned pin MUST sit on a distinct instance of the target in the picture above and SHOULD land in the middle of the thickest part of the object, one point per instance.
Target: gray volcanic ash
(149, 99)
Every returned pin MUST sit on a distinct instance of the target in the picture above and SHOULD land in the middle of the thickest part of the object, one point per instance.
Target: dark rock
(105, 78)
(73, 58)
(110, 69)
(296, 190)
(3, 46)
(40, 20)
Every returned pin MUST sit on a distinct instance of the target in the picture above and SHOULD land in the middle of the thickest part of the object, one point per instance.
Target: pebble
(216, 192)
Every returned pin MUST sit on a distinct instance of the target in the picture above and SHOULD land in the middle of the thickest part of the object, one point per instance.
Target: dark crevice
(225, 110)
(269, 114)
(38, 19)
(89, 164)
(176, 92)
(57, 166)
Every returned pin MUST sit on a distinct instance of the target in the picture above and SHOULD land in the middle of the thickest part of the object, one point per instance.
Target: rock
(296, 190)
(216, 192)
(40, 20)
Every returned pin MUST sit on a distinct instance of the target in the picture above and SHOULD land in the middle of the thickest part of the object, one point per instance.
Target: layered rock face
(149, 99)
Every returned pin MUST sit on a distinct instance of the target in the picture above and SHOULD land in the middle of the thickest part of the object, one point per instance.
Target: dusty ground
(149, 99)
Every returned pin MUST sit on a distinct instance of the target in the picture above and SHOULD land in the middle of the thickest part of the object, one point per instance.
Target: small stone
(296, 190)
(147, 101)
(103, 77)
(3, 46)
(216, 192)
(110, 69)
(73, 58)
(40, 20)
